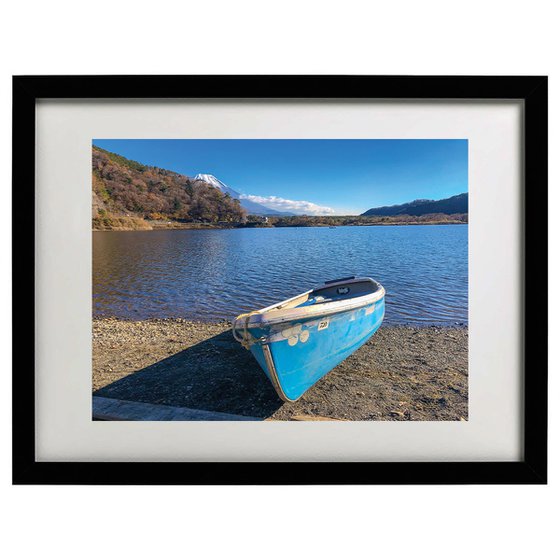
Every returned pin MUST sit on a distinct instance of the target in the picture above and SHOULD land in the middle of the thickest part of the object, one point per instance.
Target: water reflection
(216, 274)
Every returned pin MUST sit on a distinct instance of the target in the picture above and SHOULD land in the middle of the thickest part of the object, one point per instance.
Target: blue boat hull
(296, 355)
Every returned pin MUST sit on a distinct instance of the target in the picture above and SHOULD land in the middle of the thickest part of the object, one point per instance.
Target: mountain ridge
(457, 204)
(126, 193)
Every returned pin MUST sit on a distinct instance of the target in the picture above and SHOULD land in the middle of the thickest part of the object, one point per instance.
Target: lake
(209, 275)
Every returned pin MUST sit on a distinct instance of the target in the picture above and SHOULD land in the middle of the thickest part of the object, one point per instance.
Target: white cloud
(295, 206)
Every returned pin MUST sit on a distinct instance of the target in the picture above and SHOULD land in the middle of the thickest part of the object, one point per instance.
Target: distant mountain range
(126, 193)
(458, 204)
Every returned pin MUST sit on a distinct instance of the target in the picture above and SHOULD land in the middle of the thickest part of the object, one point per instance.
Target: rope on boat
(247, 339)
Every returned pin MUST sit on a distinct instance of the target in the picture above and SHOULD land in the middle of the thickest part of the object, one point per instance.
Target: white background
(289, 37)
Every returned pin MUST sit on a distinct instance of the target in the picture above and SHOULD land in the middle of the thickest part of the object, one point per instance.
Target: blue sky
(330, 176)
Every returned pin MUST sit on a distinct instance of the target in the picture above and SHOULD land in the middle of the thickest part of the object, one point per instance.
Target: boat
(299, 340)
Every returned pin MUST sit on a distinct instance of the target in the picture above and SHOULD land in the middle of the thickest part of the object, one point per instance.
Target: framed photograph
(330, 275)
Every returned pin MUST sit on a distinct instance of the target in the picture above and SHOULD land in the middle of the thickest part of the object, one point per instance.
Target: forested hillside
(458, 204)
(130, 195)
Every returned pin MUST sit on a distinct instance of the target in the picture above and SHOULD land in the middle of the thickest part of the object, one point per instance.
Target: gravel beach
(402, 373)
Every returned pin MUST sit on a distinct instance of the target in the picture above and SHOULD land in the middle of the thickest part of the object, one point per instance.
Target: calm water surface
(217, 274)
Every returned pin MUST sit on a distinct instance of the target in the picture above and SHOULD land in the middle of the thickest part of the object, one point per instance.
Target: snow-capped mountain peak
(259, 205)
(211, 180)
(250, 207)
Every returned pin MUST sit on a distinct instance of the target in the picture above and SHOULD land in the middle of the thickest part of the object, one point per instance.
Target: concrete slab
(120, 410)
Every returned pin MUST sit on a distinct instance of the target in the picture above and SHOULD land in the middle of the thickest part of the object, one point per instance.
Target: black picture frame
(533, 90)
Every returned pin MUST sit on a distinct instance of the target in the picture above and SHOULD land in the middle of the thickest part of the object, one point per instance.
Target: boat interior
(333, 290)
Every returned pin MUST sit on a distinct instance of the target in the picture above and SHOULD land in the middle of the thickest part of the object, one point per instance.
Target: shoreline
(227, 322)
(402, 373)
(179, 226)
